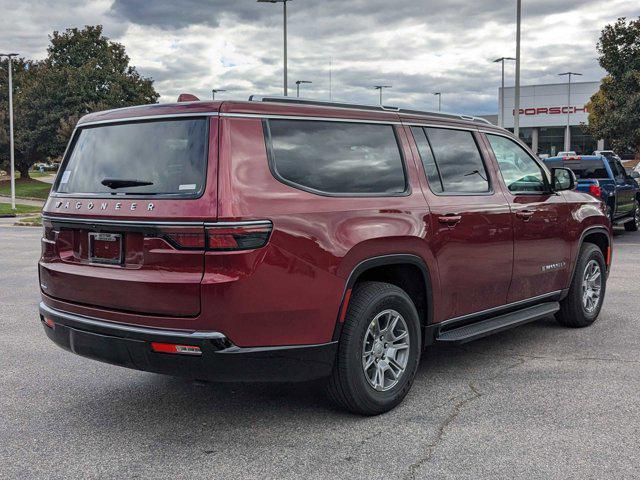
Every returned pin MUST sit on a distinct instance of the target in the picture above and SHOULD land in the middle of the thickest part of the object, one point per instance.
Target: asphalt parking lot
(540, 401)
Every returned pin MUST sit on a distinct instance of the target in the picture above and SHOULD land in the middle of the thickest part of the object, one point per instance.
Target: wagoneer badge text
(133, 206)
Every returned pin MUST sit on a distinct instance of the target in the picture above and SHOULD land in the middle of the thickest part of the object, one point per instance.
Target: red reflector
(175, 349)
(595, 190)
(49, 323)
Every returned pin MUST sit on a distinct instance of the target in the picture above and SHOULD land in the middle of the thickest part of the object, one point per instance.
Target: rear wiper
(123, 182)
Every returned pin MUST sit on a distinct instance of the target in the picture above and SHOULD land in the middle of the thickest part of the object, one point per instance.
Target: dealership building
(544, 111)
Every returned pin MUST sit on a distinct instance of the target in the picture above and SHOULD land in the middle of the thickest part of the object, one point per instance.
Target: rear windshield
(589, 170)
(166, 157)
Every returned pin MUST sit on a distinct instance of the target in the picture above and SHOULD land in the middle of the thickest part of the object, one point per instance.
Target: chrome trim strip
(302, 117)
(108, 221)
(148, 117)
(118, 327)
(468, 316)
(468, 128)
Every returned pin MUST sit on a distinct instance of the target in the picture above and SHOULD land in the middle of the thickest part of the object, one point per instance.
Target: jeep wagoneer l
(284, 240)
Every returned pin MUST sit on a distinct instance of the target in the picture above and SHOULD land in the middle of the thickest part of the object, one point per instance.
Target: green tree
(83, 72)
(614, 111)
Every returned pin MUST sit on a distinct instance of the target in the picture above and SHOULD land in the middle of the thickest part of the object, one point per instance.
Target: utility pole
(381, 87)
(516, 118)
(284, 11)
(501, 116)
(11, 146)
(439, 94)
(214, 91)
(567, 134)
(298, 82)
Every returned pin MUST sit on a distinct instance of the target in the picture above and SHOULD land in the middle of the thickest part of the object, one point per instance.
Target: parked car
(284, 240)
(606, 178)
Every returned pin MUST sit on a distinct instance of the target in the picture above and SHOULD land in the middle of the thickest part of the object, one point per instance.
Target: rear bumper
(130, 346)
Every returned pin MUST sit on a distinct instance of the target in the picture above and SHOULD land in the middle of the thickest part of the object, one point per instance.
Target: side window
(618, 170)
(429, 163)
(458, 161)
(336, 157)
(520, 172)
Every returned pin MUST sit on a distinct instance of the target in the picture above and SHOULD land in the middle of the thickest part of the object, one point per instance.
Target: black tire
(573, 312)
(634, 225)
(348, 386)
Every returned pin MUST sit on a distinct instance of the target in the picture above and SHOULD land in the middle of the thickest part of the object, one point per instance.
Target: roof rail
(384, 108)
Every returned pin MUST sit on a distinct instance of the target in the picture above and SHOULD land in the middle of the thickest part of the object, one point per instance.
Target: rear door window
(457, 163)
(167, 157)
(336, 158)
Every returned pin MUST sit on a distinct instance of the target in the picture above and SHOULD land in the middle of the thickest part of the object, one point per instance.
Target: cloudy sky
(418, 47)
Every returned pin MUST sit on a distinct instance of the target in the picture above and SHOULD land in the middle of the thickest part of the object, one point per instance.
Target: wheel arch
(599, 236)
(398, 269)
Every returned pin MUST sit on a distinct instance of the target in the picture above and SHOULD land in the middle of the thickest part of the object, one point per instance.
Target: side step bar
(487, 327)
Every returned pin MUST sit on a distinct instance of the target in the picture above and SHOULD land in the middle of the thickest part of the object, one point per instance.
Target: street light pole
(298, 82)
(381, 87)
(439, 94)
(567, 135)
(11, 148)
(501, 101)
(516, 118)
(214, 91)
(284, 11)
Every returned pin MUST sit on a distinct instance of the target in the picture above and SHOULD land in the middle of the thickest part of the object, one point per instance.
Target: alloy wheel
(591, 286)
(385, 350)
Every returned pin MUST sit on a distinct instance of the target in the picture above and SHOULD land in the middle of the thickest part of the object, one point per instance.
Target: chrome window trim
(310, 118)
(147, 117)
(469, 128)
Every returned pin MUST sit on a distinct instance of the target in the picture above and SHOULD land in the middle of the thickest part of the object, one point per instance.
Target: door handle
(450, 219)
(525, 215)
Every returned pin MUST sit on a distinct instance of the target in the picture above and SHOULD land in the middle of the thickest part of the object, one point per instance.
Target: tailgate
(137, 268)
(124, 226)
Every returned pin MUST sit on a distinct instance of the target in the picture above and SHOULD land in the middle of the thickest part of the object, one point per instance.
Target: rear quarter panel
(294, 295)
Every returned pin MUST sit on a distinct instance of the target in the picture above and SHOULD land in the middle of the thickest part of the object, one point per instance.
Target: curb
(31, 199)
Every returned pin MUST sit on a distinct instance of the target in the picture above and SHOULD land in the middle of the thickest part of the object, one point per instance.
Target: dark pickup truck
(607, 179)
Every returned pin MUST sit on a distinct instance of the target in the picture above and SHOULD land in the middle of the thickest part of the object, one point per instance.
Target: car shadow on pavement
(150, 399)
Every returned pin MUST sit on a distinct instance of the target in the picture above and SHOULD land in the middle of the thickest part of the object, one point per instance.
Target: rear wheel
(634, 225)
(379, 350)
(582, 305)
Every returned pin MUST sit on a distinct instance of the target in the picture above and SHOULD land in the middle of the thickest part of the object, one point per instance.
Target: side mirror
(563, 179)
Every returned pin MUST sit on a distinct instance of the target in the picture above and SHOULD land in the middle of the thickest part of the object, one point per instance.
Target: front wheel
(634, 225)
(582, 305)
(379, 350)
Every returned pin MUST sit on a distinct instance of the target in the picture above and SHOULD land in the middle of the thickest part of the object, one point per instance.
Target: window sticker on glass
(65, 176)
(189, 186)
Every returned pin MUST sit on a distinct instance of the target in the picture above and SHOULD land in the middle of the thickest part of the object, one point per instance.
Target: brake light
(175, 348)
(239, 236)
(595, 190)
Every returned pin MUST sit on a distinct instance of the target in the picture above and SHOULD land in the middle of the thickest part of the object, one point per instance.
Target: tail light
(227, 236)
(238, 236)
(595, 190)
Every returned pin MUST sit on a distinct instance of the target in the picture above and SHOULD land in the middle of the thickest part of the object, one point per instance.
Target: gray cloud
(418, 47)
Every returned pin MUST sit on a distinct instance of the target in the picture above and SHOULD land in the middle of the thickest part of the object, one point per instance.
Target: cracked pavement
(540, 401)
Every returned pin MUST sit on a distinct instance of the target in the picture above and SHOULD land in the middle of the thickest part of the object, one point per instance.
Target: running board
(487, 327)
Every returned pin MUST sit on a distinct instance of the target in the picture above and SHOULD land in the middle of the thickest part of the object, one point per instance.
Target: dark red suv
(283, 240)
